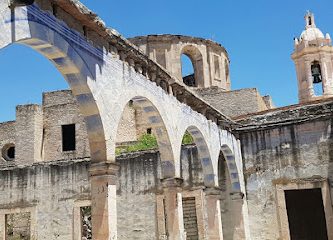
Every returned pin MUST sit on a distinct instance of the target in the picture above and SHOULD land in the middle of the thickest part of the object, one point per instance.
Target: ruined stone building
(135, 150)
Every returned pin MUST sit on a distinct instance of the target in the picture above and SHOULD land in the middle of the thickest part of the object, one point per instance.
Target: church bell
(316, 73)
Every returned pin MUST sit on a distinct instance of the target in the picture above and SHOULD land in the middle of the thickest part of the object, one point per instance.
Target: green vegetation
(187, 138)
(145, 142)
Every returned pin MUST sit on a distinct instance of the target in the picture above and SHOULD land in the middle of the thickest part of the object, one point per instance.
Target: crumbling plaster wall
(278, 155)
(53, 189)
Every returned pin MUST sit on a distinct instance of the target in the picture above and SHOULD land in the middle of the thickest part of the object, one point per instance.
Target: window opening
(68, 137)
(17, 226)
(190, 218)
(217, 67)
(149, 130)
(8, 152)
(86, 224)
(317, 78)
(188, 71)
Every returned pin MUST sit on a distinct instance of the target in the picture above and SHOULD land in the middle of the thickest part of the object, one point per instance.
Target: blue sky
(257, 34)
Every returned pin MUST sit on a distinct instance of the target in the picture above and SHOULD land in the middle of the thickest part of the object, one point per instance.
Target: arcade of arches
(131, 152)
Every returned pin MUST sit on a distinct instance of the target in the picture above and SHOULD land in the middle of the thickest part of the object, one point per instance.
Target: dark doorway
(306, 214)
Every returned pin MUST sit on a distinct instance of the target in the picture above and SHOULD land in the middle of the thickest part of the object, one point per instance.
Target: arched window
(317, 78)
(188, 71)
(192, 66)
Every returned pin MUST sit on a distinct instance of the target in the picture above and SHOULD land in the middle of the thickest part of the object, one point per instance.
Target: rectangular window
(306, 215)
(68, 137)
(217, 67)
(85, 215)
(190, 218)
(18, 226)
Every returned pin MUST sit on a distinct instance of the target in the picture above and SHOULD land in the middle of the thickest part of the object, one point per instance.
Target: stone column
(103, 177)
(173, 208)
(310, 91)
(213, 209)
(327, 88)
(237, 199)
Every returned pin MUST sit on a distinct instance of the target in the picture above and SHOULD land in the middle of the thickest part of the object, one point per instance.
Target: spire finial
(309, 20)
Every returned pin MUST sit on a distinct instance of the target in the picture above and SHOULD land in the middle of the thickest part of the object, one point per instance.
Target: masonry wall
(281, 154)
(52, 190)
(234, 103)
(7, 133)
(60, 108)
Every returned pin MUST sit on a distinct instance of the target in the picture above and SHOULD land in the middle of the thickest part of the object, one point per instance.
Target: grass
(148, 142)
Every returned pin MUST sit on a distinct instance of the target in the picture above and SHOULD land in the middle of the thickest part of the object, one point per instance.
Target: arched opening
(188, 71)
(195, 138)
(192, 66)
(55, 46)
(197, 172)
(317, 78)
(231, 198)
(80, 64)
(26, 76)
(145, 157)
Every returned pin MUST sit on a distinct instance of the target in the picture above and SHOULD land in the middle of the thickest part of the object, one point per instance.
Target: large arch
(150, 115)
(44, 33)
(204, 155)
(230, 160)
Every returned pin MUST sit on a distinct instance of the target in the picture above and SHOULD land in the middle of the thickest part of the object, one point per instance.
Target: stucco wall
(51, 190)
(278, 153)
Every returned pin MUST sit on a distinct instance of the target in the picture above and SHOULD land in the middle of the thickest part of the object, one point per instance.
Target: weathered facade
(252, 176)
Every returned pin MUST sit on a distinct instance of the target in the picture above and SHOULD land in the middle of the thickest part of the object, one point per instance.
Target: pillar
(173, 208)
(103, 177)
(309, 79)
(237, 199)
(213, 209)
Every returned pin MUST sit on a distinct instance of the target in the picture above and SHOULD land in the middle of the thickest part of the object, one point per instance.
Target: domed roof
(311, 33)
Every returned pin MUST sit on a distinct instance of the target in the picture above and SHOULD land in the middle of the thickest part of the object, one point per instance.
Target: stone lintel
(213, 191)
(172, 182)
(104, 169)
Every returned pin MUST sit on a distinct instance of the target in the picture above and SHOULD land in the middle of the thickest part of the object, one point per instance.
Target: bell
(316, 73)
(316, 79)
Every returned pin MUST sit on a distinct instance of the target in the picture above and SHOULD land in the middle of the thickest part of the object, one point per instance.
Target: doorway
(306, 215)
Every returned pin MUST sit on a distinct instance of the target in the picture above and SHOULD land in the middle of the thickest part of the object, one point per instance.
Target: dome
(311, 34)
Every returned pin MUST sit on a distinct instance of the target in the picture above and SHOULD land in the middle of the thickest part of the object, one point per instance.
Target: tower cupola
(313, 57)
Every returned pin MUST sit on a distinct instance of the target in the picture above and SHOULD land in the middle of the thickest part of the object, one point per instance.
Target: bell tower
(313, 57)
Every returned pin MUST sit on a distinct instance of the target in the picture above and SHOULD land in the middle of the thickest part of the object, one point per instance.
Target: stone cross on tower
(313, 57)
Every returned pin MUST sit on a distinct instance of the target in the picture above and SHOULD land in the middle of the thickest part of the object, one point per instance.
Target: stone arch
(44, 33)
(231, 203)
(197, 61)
(149, 114)
(229, 157)
(204, 155)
